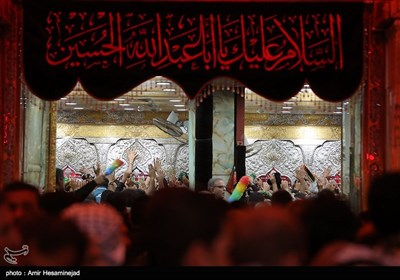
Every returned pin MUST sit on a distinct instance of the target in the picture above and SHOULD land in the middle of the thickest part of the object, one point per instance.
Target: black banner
(271, 48)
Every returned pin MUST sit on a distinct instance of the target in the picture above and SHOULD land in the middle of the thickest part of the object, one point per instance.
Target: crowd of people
(108, 221)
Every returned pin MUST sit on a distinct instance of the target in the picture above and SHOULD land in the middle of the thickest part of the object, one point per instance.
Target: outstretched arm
(85, 190)
(300, 175)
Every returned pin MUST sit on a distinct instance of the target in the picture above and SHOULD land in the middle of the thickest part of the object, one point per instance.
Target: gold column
(51, 163)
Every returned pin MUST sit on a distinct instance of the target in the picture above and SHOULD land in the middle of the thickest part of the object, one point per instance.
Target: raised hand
(172, 182)
(321, 182)
(96, 169)
(327, 172)
(157, 165)
(84, 170)
(76, 183)
(272, 178)
(300, 172)
(152, 171)
(144, 184)
(111, 177)
(100, 180)
(300, 175)
(285, 185)
(185, 181)
(132, 156)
